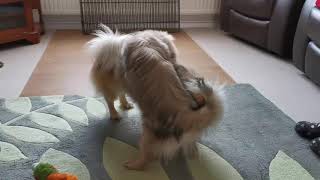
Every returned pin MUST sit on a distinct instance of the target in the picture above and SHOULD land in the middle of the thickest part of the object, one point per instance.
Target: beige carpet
(64, 67)
(277, 79)
(19, 60)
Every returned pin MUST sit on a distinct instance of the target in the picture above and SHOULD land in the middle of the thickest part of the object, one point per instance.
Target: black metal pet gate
(130, 15)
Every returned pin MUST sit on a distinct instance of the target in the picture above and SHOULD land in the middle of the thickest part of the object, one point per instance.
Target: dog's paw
(136, 165)
(115, 117)
(127, 106)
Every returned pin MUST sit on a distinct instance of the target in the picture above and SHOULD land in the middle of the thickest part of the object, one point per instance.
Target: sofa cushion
(258, 9)
(312, 66)
(249, 29)
(313, 27)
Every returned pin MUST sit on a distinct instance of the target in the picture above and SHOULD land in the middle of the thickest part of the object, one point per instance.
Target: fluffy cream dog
(176, 105)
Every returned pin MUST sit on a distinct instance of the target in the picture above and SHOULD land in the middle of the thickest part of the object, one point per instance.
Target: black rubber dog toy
(315, 146)
(308, 130)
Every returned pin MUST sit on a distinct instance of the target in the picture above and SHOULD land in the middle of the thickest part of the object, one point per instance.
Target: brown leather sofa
(269, 24)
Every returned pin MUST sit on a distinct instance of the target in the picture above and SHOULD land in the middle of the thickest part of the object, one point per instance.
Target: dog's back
(154, 84)
(152, 80)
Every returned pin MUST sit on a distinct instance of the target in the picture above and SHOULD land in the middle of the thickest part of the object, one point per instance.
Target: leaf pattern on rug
(115, 153)
(209, 165)
(20, 105)
(284, 167)
(66, 111)
(52, 99)
(27, 134)
(65, 163)
(73, 113)
(9, 152)
(96, 108)
(50, 121)
(16, 156)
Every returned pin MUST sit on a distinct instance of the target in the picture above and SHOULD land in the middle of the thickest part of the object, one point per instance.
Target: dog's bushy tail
(107, 49)
(212, 111)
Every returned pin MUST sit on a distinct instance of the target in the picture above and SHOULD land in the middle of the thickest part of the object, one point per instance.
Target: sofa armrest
(283, 25)
(301, 39)
(224, 14)
(313, 26)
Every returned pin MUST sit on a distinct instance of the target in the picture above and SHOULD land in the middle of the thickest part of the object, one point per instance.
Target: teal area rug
(255, 140)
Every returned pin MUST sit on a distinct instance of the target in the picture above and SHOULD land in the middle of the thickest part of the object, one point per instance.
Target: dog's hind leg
(114, 115)
(124, 102)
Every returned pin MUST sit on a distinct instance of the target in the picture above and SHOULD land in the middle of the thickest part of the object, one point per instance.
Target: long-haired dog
(176, 104)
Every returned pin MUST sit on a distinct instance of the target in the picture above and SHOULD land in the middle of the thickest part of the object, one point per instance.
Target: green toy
(45, 171)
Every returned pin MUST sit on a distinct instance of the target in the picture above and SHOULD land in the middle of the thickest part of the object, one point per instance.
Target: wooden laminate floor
(64, 68)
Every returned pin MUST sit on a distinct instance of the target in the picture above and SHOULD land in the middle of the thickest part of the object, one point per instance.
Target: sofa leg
(33, 38)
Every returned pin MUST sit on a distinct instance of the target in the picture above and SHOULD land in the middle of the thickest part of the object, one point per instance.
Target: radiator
(72, 7)
(125, 15)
